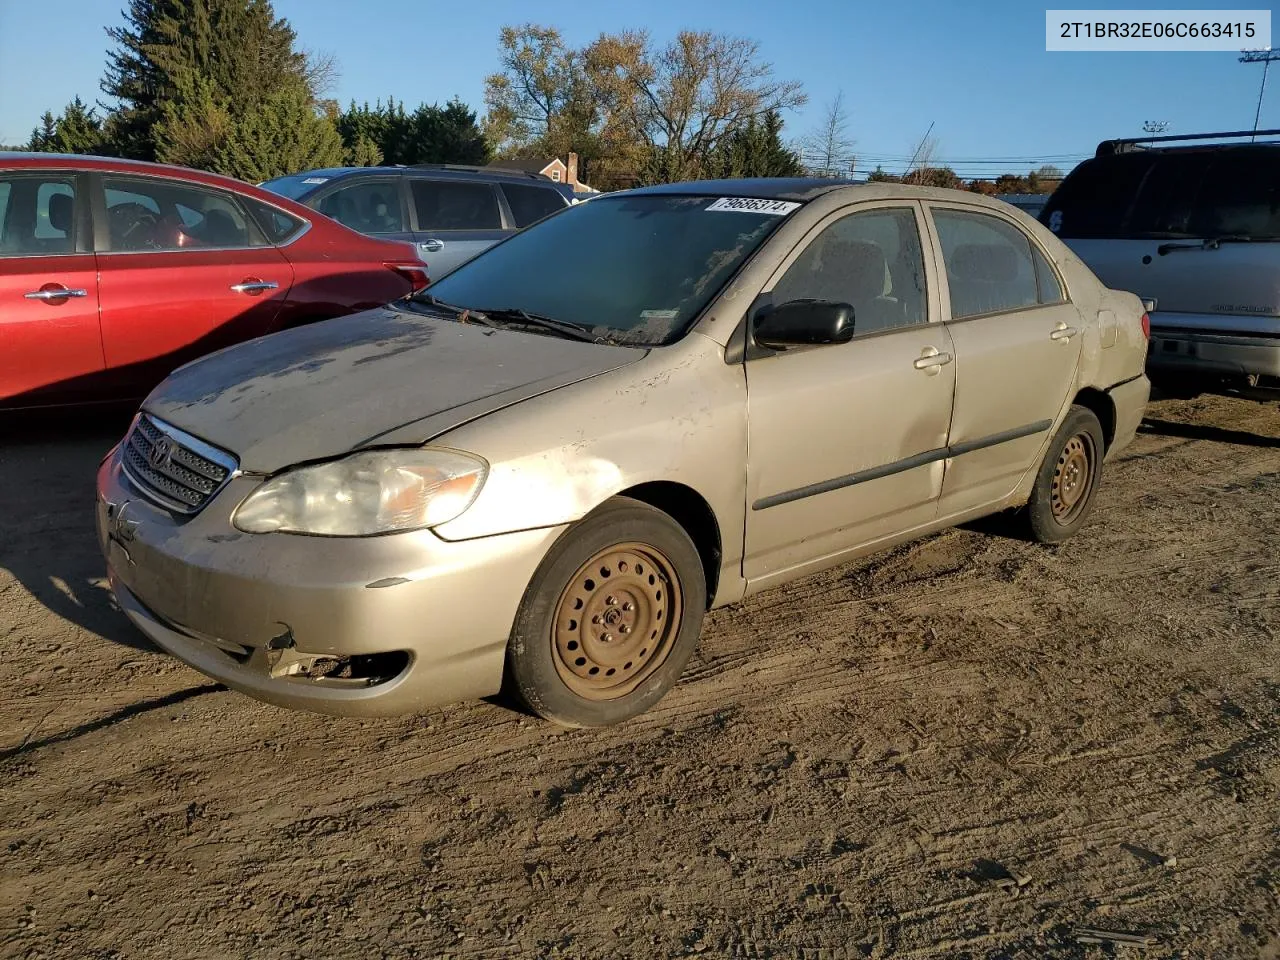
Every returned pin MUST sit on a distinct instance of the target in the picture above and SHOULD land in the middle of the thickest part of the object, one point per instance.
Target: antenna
(1265, 57)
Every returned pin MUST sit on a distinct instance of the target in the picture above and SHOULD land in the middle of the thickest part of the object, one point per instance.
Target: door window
(370, 206)
(167, 215)
(871, 261)
(530, 204)
(280, 227)
(455, 205)
(989, 264)
(37, 216)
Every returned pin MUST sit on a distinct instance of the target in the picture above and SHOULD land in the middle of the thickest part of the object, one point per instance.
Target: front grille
(174, 468)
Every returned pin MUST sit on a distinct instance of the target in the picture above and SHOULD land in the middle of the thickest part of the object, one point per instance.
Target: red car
(113, 273)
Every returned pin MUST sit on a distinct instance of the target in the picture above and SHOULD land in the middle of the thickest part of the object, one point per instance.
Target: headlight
(381, 491)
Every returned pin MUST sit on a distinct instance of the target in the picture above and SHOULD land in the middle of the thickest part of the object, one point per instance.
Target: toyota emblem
(161, 453)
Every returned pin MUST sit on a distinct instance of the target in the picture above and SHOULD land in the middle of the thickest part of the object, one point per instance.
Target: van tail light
(1146, 326)
(413, 271)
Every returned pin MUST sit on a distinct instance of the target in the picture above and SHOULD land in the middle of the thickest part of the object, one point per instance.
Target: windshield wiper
(461, 314)
(519, 316)
(1211, 243)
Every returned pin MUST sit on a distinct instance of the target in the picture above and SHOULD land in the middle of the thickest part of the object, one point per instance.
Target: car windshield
(634, 269)
(294, 187)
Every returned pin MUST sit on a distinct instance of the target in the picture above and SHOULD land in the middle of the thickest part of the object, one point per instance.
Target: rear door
(454, 220)
(50, 341)
(1017, 344)
(183, 271)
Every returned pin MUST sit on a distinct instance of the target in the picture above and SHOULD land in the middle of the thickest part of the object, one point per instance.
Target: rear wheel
(609, 619)
(1068, 480)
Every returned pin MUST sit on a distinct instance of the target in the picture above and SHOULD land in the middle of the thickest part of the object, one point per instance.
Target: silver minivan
(1192, 229)
(449, 212)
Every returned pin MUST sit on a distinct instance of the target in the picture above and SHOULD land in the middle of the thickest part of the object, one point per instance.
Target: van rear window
(1192, 194)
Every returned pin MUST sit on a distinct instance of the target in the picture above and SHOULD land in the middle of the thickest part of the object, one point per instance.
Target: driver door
(846, 442)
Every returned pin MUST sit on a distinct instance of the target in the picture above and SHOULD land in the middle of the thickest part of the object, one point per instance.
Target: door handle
(57, 293)
(931, 361)
(432, 246)
(254, 286)
(1063, 332)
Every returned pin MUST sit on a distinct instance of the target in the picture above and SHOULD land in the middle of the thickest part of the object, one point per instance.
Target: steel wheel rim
(1072, 478)
(616, 621)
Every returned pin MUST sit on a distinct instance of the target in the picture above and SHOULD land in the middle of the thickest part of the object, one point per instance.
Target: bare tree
(828, 150)
(677, 102)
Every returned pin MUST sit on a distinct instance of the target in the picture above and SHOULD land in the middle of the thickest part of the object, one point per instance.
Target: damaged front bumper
(354, 626)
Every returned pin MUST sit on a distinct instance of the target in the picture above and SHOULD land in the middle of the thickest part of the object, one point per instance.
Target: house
(556, 169)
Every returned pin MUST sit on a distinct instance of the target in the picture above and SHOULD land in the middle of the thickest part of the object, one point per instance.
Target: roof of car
(765, 188)
(434, 169)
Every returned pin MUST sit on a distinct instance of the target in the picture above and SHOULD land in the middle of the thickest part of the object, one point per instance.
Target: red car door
(183, 271)
(50, 341)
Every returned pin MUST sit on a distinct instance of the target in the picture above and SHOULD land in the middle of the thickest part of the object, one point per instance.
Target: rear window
(1193, 194)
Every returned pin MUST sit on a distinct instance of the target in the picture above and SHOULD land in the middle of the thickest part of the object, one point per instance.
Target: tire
(638, 582)
(1068, 480)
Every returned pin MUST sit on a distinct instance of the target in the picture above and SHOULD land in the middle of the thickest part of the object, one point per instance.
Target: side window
(1091, 203)
(279, 227)
(54, 203)
(370, 206)
(145, 215)
(870, 260)
(530, 204)
(455, 205)
(1047, 284)
(988, 261)
(37, 216)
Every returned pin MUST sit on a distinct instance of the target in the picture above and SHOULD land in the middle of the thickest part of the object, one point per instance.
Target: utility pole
(1155, 127)
(1264, 57)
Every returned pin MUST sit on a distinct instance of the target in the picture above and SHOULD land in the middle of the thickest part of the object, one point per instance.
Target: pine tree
(201, 82)
(77, 130)
(755, 149)
(285, 135)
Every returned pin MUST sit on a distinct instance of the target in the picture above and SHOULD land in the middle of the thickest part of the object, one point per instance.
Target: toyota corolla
(542, 471)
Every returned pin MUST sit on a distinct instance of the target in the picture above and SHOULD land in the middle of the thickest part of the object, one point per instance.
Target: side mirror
(803, 323)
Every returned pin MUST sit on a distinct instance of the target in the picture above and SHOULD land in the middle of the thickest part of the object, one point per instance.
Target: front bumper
(232, 604)
(1174, 352)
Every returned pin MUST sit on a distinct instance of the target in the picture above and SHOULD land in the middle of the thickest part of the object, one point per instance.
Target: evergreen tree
(430, 134)
(755, 149)
(77, 130)
(207, 82)
(284, 136)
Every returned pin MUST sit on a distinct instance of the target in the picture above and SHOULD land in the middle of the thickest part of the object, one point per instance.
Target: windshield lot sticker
(659, 314)
(316, 180)
(776, 208)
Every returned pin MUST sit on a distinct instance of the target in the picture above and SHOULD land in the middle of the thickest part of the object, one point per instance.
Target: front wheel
(609, 619)
(1068, 481)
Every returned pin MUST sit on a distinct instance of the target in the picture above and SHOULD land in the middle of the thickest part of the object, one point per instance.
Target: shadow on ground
(47, 461)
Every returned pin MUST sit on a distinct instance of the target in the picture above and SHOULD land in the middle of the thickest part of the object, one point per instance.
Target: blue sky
(980, 73)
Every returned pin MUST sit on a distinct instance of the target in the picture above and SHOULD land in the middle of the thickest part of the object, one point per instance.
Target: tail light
(1146, 326)
(414, 272)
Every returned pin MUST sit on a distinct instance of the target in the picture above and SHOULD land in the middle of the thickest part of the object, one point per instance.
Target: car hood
(327, 388)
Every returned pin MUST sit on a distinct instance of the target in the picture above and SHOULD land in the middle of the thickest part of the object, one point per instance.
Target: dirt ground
(968, 747)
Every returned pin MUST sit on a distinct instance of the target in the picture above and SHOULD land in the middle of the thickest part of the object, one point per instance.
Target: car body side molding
(900, 466)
